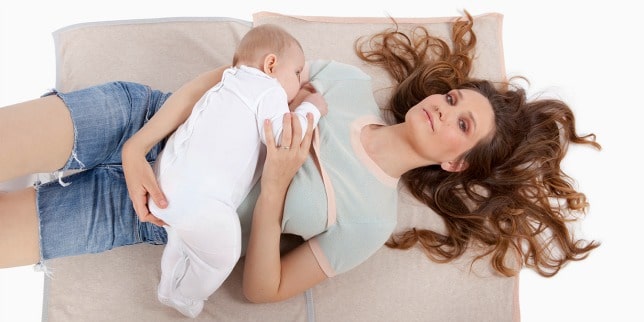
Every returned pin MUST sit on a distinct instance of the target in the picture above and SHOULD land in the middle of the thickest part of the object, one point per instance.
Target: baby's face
(288, 69)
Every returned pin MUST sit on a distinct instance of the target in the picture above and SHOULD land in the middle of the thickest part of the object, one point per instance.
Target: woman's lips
(429, 118)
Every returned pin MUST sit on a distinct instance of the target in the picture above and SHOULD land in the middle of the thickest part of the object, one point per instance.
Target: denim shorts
(90, 211)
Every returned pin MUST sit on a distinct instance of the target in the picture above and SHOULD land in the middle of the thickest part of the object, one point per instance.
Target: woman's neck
(389, 148)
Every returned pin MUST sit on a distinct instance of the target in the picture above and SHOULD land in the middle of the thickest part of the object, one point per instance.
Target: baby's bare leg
(35, 136)
(19, 238)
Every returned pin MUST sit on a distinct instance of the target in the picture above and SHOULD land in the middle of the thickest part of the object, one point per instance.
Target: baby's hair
(261, 41)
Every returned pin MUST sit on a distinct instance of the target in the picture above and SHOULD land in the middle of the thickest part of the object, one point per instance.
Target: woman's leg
(90, 211)
(35, 136)
(19, 241)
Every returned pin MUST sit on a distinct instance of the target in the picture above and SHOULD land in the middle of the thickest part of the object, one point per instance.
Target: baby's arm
(310, 103)
(313, 103)
(308, 94)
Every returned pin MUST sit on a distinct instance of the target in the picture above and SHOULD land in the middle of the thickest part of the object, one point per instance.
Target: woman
(486, 160)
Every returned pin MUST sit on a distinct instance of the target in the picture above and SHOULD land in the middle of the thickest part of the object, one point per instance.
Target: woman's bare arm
(175, 110)
(269, 277)
(139, 176)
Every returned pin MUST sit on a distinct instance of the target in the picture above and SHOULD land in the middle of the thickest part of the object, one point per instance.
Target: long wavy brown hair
(513, 198)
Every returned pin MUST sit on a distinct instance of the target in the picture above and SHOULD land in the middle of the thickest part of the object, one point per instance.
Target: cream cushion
(392, 285)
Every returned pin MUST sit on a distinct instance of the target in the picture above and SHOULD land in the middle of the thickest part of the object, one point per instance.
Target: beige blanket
(393, 285)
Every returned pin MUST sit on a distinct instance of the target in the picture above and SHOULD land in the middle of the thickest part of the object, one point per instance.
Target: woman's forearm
(262, 268)
(174, 111)
(270, 276)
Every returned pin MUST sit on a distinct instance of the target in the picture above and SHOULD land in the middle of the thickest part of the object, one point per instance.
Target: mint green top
(346, 210)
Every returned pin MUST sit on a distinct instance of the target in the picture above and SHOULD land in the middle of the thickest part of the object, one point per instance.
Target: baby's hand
(304, 91)
(319, 102)
(308, 94)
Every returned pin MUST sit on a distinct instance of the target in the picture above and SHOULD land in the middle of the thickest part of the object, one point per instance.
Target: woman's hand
(269, 277)
(282, 162)
(141, 182)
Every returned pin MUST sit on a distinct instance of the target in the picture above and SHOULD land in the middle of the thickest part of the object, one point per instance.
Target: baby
(215, 157)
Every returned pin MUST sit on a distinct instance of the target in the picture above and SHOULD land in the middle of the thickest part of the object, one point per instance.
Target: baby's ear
(454, 166)
(269, 63)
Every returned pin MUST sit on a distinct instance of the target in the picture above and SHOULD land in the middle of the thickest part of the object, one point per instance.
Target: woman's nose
(439, 112)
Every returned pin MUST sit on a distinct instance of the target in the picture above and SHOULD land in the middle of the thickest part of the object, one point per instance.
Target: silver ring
(284, 147)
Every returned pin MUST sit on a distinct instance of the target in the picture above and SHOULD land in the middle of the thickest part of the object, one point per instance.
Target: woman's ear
(269, 63)
(454, 166)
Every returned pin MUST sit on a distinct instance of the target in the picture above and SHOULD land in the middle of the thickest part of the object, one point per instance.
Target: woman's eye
(450, 99)
(462, 125)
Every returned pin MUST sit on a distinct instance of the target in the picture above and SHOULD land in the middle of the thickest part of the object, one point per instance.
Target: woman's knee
(19, 238)
(37, 136)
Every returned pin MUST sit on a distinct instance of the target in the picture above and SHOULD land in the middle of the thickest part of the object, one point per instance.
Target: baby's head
(274, 51)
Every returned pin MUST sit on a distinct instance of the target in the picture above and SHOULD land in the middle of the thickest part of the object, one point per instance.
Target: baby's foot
(187, 307)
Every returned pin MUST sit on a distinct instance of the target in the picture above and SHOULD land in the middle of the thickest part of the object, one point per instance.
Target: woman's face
(446, 126)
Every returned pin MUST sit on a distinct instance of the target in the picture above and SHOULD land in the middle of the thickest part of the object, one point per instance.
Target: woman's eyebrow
(473, 120)
(469, 114)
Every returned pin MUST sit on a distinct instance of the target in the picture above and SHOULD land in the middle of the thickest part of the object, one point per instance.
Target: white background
(582, 53)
